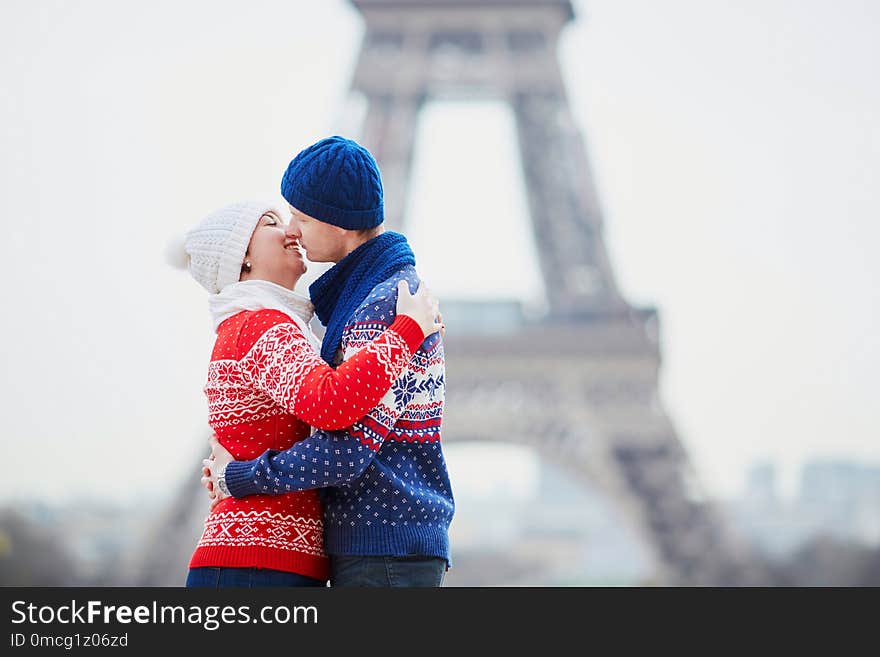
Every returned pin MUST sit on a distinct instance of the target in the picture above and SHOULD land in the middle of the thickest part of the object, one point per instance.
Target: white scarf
(263, 295)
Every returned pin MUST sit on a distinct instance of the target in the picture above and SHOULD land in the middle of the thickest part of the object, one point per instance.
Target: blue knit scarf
(339, 292)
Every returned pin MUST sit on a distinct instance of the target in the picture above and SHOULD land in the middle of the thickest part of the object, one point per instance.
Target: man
(386, 492)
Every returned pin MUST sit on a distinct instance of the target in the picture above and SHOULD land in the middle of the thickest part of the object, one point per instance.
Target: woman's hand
(422, 307)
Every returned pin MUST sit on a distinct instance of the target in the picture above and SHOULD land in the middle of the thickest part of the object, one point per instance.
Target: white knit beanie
(214, 250)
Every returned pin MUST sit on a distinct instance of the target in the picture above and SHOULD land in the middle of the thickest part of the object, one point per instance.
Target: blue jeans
(387, 571)
(222, 578)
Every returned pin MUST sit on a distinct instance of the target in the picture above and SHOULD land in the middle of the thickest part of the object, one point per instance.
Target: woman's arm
(283, 364)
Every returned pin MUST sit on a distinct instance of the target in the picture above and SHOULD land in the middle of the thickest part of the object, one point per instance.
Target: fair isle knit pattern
(265, 386)
(385, 484)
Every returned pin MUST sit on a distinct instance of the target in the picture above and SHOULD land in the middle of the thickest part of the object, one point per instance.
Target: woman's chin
(298, 262)
(298, 275)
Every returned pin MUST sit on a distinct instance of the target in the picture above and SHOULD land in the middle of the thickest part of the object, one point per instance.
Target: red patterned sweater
(266, 386)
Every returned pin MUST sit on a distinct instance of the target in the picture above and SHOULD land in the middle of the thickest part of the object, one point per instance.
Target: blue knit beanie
(336, 181)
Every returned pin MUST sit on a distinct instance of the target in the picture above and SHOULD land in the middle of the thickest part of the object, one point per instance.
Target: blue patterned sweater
(386, 489)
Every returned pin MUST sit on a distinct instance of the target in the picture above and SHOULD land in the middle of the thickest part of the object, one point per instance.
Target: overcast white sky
(737, 154)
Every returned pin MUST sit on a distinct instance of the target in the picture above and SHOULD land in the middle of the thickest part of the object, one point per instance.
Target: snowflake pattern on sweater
(384, 480)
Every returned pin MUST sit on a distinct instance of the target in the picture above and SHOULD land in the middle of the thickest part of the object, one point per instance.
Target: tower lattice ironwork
(581, 384)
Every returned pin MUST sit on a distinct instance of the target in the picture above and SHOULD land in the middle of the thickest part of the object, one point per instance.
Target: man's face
(322, 242)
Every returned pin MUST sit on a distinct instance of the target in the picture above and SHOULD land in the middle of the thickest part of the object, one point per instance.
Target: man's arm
(326, 458)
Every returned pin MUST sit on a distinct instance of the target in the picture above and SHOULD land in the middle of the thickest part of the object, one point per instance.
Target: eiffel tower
(581, 384)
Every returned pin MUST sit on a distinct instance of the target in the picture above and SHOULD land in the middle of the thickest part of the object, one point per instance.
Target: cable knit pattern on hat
(217, 246)
(336, 181)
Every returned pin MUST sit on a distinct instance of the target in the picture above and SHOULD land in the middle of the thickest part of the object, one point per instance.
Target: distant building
(98, 538)
(843, 498)
(839, 499)
(761, 484)
(566, 534)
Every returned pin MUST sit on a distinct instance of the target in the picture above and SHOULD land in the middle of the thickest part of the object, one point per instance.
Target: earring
(247, 266)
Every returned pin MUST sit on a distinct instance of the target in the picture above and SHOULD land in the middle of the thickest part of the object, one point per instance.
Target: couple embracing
(326, 460)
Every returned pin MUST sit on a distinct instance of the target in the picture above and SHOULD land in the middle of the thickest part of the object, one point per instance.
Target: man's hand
(220, 458)
(206, 480)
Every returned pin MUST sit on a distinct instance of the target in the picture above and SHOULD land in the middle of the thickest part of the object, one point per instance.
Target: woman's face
(274, 253)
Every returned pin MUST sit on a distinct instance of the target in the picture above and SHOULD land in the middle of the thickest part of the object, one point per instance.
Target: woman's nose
(292, 231)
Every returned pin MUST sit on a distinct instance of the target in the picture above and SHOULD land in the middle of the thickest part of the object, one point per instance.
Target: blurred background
(731, 159)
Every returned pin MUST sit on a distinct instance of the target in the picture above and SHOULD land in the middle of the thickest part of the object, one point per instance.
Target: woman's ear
(245, 266)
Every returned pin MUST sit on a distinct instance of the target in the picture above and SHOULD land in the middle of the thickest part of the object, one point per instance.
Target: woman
(267, 385)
